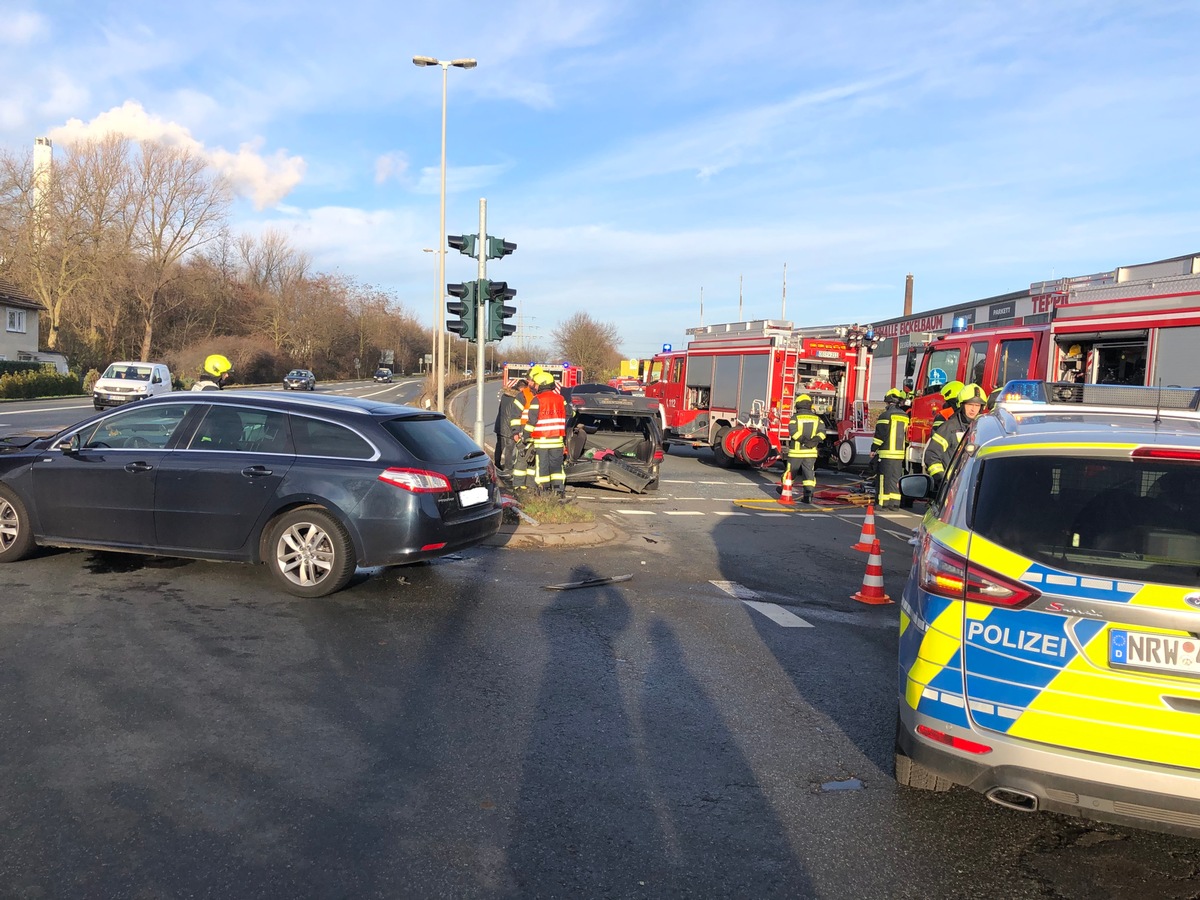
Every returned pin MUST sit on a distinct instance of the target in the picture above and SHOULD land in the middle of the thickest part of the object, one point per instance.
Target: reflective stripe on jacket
(890, 433)
(807, 433)
(942, 443)
(547, 424)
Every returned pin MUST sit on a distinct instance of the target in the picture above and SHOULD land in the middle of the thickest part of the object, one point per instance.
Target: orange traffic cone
(872, 586)
(868, 531)
(786, 497)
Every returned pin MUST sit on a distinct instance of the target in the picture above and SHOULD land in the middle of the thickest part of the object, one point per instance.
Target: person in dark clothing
(508, 428)
(808, 431)
(947, 436)
(888, 446)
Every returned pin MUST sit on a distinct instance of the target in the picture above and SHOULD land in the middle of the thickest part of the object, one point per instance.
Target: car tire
(303, 537)
(16, 534)
(722, 459)
(914, 775)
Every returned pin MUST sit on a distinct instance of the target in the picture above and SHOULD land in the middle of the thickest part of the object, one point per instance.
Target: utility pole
(741, 318)
(784, 316)
(481, 326)
(701, 304)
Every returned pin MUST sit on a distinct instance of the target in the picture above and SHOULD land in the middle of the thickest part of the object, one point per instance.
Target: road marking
(773, 515)
(676, 481)
(714, 482)
(691, 498)
(726, 512)
(778, 614)
(637, 512)
(683, 512)
(899, 535)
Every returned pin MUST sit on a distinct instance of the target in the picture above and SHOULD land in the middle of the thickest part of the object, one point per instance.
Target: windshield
(128, 372)
(1115, 518)
(941, 366)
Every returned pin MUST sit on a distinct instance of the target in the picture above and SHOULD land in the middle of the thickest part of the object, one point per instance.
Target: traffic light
(498, 247)
(463, 243)
(466, 308)
(496, 294)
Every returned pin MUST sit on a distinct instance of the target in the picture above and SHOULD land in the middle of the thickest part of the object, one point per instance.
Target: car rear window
(432, 438)
(1118, 518)
(316, 437)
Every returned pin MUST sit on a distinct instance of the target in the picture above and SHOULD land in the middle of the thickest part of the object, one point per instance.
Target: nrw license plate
(471, 496)
(1159, 652)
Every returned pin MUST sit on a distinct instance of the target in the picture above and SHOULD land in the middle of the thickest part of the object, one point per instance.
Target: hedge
(44, 382)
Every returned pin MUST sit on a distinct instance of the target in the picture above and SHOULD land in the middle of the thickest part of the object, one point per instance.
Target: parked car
(383, 375)
(299, 380)
(587, 388)
(312, 487)
(614, 440)
(123, 382)
(1049, 650)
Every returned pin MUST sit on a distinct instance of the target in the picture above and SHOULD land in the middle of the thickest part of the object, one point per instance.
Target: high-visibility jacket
(943, 442)
(891, 430)
(547, 423)
(524, 401)
(808, 430)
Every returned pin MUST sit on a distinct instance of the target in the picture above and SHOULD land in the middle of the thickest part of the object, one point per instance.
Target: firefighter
(887, 449)
(546, 431)
(949, 434)
(808, 431)
(522, 451)
(949, 393)
(508, 425)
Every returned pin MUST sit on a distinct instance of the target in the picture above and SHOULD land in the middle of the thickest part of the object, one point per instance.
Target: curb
(582, 534)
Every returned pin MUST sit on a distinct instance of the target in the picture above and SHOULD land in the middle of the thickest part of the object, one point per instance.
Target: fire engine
(732, 389)
(1137, 325)
(566, 374)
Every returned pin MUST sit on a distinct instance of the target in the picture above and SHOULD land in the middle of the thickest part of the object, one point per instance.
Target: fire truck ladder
(787, 396)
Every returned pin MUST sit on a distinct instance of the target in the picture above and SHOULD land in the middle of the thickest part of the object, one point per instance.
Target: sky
(659, 164)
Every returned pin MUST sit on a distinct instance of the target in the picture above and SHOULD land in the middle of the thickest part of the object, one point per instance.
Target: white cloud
(458, 178)
(391, 166)
(22, 28)
(265, 179)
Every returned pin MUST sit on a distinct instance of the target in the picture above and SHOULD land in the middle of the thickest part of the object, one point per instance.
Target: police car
(1049, 652)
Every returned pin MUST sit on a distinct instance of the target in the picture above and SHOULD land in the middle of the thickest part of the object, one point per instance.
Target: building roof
(11, 295)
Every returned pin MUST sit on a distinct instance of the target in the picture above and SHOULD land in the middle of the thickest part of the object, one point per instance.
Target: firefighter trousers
(506, 455)
(549, 473)
(888, 489)
(808, 470)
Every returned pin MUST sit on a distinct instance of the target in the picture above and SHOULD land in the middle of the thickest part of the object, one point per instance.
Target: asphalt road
(719, 725)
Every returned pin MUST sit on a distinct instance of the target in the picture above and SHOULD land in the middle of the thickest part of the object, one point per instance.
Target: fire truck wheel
(845, 453)
(723, 459)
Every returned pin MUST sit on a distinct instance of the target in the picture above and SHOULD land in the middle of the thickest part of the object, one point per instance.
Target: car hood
(24, 440)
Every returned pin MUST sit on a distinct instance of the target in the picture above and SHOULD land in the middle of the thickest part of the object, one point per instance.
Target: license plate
(471, 496)
(1157, 652)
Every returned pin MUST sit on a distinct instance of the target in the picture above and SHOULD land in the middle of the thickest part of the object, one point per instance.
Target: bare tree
(180, 205)
(592, 345)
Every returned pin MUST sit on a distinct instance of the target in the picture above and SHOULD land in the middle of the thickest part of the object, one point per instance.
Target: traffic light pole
(481, 323)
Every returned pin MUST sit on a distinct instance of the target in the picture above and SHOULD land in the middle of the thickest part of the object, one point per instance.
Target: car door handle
(138, 467)
(255, 471)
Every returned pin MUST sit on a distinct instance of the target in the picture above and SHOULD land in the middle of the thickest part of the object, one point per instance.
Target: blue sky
(641, 152)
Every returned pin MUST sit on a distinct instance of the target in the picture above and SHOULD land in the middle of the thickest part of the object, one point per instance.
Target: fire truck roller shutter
(1091, 337)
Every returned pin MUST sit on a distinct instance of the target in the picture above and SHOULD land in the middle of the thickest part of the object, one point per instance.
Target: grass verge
(548, 509)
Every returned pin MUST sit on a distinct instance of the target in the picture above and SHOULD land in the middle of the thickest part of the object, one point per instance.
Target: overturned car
(614, 440)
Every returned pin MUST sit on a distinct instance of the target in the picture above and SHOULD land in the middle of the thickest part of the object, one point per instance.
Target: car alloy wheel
(16, 538)
(311, 554)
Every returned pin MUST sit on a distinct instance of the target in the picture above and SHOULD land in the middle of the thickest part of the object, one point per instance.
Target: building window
(16, 320)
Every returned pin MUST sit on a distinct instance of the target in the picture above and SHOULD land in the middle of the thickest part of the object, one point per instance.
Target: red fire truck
(1137, 325)
(733, 388)
(566, 374)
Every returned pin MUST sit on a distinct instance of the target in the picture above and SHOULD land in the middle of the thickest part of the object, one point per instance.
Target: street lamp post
(435, 329)
(445, 64)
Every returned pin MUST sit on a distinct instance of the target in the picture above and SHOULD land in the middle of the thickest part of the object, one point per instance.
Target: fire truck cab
(565, 374)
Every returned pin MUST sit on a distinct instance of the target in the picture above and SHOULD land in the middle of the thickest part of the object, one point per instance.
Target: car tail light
(658, 456)
(1166, 453)
(946, 574)
(951, 741)
(419, 481)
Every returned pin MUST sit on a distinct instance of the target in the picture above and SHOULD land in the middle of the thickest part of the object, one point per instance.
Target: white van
(126, 381)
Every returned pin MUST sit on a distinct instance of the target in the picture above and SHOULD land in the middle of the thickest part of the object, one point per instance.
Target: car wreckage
(614, 440)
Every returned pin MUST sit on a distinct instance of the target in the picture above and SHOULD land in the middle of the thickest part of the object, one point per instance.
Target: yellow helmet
(894, 394)
(951, 389)
(803, 398)
(972, 393)
(535, 371)
(543, 377)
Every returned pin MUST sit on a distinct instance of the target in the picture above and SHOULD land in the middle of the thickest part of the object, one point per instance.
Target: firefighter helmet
(803, 398)
(951, 389)
(972, 393)
(534, 372)
(543, 378)
(894, 394)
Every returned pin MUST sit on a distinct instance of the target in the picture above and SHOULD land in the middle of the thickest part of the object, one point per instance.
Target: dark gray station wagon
(311, 486)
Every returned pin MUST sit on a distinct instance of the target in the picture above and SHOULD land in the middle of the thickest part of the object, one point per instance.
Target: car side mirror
(70, 445)
(910, 362)
(917, 487)
(909, 383)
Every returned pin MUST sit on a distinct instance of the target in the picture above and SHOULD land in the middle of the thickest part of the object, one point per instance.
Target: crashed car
(614, 440)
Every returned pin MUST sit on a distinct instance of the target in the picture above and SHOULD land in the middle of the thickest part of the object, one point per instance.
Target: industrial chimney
(908, 288)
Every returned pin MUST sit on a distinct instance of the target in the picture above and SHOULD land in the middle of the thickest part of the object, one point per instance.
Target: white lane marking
(723, 512)
(682, 512)
(713, 482)
(778, 614)
(899, 535)
(740, 591)
(676, 481)
(691, 498)
(637, 512)
(774, 515)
